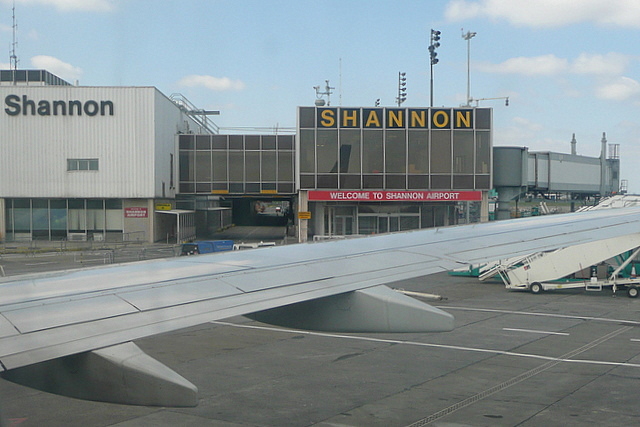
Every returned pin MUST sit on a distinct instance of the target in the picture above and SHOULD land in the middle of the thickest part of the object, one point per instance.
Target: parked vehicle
(206, 247)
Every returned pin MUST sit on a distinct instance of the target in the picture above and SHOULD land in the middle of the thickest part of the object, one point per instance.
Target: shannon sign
(395, 196)
(22, 105)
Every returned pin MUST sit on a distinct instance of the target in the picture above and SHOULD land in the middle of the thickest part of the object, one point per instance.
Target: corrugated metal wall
(133, 145)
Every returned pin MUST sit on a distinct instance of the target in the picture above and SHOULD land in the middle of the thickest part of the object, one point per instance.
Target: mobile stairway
(544, 271)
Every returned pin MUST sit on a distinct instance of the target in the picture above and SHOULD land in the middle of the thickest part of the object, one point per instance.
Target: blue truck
(206, 247)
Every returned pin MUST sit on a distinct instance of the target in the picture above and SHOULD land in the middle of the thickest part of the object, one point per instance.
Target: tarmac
(569, 358)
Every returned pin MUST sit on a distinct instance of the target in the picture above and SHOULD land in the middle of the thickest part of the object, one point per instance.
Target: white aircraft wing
(56, 323)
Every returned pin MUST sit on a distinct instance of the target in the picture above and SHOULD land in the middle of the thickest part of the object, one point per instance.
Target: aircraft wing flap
(178, 294)
(375, 263)
(49, 316)
(6, 328)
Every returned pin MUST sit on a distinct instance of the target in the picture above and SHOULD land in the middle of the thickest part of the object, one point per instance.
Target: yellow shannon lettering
(372, 120)
(440, 119)
(463, 119)
(349, 118)
(418, 119)
(395, 118)
(328, 118)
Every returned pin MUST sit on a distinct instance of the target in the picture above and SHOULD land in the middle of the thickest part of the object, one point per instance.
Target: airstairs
(546, 270)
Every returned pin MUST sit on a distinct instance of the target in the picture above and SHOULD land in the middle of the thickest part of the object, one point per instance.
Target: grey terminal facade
(374, 170)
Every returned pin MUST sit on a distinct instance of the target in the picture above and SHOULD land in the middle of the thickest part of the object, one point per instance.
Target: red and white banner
(136, 213)
(395, 196)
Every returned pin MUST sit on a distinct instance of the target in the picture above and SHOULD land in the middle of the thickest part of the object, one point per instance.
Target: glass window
(372, 181)
(395, 151)
(252, 142)
(307, 181)
(219, 159)
(483, 182)
(327, 181)
(441, 182)
(285, 166)
(327, 151)
(350, 182)
(350, 151)
(203, 166)
(418, 182)
(219, 142)
(113, 204)
(187, 160)
(463, 182)
(463, 151)
(203, 142)
(236, 187)
(285, 142)
(307, 151)
(307, 116)
(440, 151)
(372, 154)
(483, 118)
(418, 151)
(269, 166)
(396, 182)
(252, 159)
(58, 214)
(186, 142)
(483, 151)
(269, 142)
(235, 142)
(236, 166)
(203, 187)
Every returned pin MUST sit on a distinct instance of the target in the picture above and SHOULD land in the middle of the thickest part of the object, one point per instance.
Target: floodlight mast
(468, 36)
(433, 60)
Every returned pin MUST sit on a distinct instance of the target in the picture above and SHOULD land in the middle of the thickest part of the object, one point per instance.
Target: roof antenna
(13, 59)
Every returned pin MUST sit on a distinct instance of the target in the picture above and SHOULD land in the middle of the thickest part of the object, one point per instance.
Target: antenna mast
(13, 59)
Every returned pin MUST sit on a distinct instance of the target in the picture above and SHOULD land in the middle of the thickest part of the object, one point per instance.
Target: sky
(567, 66)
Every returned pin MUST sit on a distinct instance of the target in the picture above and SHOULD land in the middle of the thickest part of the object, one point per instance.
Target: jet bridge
(544, 270)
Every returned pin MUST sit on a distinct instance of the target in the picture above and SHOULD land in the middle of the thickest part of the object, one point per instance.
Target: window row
(419, 152)
(247, 166)
(82, 165)
(237, 187)
(236, 142)
(55, 218)
(396, 182)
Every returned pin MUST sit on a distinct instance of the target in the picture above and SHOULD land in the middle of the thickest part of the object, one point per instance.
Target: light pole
(468, 36)
(434, 43)
(402, 88)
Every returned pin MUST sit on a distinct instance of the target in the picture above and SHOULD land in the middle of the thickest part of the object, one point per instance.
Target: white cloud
(72, 5)
(210, 82)
(57, 67)
(610, 64)
(529, 66)
(548, 13)
(621, 89)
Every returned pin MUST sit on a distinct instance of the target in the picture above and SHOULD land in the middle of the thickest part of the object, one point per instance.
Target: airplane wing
(74, 329)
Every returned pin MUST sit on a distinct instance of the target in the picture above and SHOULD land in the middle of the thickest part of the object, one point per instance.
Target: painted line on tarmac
(529, 313)
(531, 331)
(431, 345)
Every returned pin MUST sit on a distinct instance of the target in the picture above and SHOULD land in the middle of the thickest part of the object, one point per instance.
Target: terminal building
(129, 163)
(81, 162)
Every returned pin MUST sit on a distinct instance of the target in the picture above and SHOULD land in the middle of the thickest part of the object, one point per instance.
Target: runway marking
(563, 359)
(534, 332)
(515, 380)
(529, 313)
